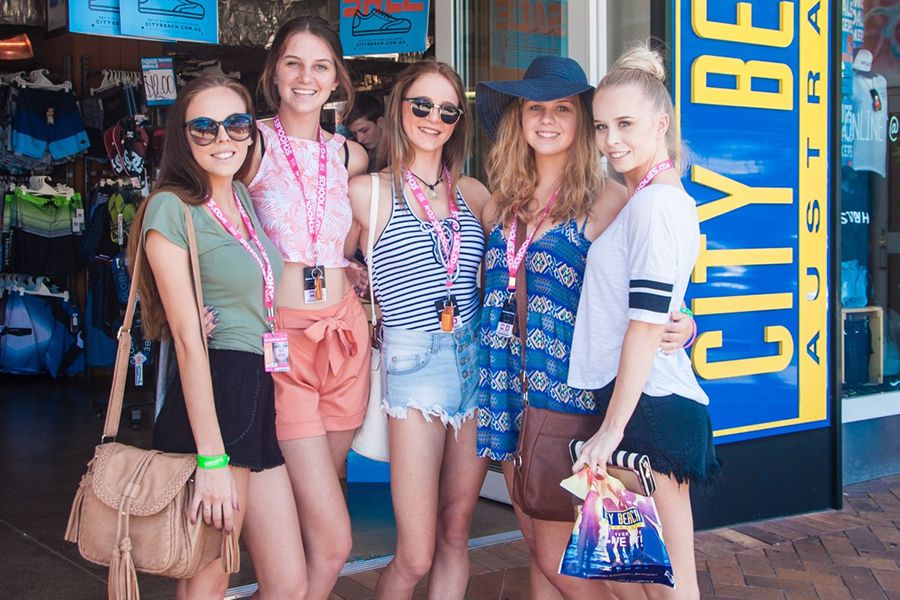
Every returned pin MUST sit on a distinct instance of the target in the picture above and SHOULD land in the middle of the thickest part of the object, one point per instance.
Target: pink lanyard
(262, 259)
(450, 250)
(315, 215)
(513, 258)
(652, 173)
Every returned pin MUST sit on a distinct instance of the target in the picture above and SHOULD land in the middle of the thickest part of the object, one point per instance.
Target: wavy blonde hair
(395, 149)
(644, 68)
(512, 173)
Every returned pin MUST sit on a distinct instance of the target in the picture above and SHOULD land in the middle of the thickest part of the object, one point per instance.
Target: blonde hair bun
(641, 58)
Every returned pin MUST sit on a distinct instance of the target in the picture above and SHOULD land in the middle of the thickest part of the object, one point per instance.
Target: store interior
(66, 211)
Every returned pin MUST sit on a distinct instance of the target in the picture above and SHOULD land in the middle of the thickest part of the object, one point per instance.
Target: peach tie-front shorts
(327, 386)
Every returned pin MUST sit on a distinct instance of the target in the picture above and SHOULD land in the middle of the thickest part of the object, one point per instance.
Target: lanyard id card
(276, 352)
(507, 318)
(448, 312)
(314, 285)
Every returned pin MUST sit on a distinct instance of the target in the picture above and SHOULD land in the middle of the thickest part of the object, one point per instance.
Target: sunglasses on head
(204, 130)
(422, 107)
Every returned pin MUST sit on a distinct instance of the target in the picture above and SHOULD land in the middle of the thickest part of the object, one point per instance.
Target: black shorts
(674, 432)
(245, 406)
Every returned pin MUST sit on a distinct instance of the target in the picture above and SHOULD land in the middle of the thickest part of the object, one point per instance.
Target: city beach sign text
(751, 93)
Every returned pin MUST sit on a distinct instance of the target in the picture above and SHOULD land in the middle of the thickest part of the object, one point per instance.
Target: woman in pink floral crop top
(298, 183)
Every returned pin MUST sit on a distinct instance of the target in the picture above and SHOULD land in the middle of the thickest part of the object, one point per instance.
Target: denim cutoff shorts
(434, 373)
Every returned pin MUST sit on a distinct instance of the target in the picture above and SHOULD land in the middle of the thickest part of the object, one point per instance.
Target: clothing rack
(29, 284)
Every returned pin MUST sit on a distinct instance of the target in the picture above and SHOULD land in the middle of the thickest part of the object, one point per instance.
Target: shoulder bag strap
(370, 245)
(120, 370)
(522, 303)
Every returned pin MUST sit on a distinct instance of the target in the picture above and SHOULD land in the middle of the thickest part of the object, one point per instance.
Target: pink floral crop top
(279, 201)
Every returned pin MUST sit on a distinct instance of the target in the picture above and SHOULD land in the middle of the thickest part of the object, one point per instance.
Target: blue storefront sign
(186, 20)
(383, 26)
(94, 17)
(751, 88)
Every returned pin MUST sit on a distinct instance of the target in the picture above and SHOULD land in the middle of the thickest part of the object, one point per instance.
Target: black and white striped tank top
(410, 272)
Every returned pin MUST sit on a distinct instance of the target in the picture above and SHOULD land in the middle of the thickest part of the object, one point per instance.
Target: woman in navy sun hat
(547, 78)
(543, 170)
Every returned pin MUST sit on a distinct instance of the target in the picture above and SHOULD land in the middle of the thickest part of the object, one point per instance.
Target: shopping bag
(617, 534)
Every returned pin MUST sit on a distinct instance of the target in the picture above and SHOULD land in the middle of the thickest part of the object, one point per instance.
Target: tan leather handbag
(130, 510)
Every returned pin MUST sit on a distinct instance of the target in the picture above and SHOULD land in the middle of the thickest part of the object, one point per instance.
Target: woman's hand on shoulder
(475, 194)
(607, 206)
(358, 162)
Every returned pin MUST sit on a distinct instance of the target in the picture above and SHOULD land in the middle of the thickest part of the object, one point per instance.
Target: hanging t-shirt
(870, 119)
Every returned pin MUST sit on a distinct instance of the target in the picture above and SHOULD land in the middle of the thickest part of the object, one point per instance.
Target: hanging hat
(547, 78)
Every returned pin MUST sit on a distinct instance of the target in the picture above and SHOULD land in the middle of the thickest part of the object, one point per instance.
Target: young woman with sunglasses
(298, 182)
(637, 272)
(429, 245)
(545, 174)
(224, 407)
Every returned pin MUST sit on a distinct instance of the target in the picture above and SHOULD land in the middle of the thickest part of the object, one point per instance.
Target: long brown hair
(512, 174)
(395, 149)
(179, 174)
(320, 28)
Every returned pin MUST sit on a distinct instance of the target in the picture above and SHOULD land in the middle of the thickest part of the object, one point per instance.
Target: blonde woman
(637, 272)
(544, 170)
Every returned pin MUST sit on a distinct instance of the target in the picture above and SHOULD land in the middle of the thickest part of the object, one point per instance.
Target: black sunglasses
(422, 107)
(204, 130)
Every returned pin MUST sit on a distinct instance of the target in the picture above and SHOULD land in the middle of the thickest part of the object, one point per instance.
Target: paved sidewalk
(849, 554)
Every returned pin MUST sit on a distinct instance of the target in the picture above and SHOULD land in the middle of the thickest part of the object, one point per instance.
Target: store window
(497, 39)
(870, 196)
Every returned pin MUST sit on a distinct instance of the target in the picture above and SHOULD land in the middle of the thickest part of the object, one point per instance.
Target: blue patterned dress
(555, 271)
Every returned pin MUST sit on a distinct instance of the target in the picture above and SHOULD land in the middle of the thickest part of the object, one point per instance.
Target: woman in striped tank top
(425, 263)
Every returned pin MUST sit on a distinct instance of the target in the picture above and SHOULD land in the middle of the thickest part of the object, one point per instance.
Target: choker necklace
(432, 192)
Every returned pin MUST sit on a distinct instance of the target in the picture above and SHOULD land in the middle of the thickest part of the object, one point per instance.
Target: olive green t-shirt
(230, 278)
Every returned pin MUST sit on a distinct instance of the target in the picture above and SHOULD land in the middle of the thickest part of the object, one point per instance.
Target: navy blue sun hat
(547, 78)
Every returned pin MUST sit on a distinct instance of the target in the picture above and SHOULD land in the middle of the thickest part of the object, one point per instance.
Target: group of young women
(279, 205)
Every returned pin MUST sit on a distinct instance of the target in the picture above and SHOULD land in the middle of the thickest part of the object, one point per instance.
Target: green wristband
(213, 462)
(687, 311)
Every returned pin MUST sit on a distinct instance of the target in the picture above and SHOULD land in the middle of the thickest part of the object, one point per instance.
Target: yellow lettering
(742, 367)
(743, 30)
(737, 195)
(742, 95)
(707, 258)
(721, 305)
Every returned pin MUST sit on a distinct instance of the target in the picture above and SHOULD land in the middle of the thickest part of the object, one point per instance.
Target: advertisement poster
(383, 26)
(522, 30)
(95, 17)
(187, 20)
(751, 87)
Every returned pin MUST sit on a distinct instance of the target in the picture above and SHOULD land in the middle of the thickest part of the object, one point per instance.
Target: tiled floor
(849, 554)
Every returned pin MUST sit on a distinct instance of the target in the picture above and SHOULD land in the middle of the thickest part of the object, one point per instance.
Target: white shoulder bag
(371, 440)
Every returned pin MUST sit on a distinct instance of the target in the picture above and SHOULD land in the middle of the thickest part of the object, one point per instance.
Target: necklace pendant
(432, 194)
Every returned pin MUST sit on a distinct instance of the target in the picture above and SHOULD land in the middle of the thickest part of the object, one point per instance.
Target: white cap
(863, 61)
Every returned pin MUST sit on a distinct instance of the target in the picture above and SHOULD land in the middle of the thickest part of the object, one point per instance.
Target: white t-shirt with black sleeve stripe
(638, 269)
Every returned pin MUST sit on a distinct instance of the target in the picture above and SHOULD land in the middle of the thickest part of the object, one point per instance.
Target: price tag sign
(159, 81)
